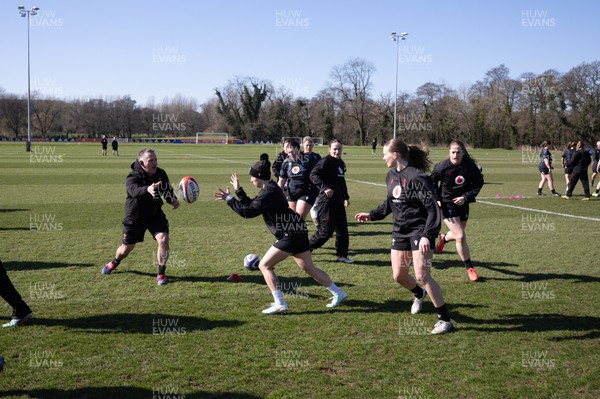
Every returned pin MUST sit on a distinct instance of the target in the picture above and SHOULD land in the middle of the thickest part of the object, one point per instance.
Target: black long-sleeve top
(272, 205)
(330, 172)
(451, 181)
(411, 200)
(140, 206)
(581, 160)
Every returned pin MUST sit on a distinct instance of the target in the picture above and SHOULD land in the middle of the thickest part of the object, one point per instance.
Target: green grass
(529, 329)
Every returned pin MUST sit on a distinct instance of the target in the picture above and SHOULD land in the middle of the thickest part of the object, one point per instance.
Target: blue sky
(159, 48)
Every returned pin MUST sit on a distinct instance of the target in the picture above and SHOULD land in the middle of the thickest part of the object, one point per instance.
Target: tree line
(496, 111)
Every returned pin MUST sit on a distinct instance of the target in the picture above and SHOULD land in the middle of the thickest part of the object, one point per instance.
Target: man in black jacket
(580, 163)
(146, 183)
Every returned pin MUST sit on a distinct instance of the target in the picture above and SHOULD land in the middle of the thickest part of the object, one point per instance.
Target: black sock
(162, 269)
(443, 313)
(539, 190)
(116, 262)
(443, 238)
(468, 263)
(418, 291)
(553, 191)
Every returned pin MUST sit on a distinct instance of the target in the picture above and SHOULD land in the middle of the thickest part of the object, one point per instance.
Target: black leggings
(575, 177)
(332, 218)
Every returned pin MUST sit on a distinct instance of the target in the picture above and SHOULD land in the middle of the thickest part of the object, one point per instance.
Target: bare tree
(14, 111)
(352, 85)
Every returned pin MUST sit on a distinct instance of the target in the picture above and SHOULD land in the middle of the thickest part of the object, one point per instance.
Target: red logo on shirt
(396, 192)
(459, 180)
(296, 170)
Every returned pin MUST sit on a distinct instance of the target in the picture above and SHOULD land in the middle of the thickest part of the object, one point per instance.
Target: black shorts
(568, 171)
(293, 244)
(594, 168)
(453, 211)
(409, 243)
(297, 195)
(543, 169)
(134, 233)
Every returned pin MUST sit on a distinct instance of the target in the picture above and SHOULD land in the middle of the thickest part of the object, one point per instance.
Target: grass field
(529, 329)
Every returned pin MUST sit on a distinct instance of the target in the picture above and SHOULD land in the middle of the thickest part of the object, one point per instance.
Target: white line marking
(504, 205)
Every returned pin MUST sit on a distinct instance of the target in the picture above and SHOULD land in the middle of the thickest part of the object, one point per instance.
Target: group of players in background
(575, 161)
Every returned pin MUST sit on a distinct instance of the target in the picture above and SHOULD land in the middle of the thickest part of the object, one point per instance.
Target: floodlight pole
(25, 13)
(396, 38)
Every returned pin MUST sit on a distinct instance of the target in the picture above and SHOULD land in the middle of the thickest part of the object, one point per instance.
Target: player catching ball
(457, 181)
(411, 201)
(289, 229)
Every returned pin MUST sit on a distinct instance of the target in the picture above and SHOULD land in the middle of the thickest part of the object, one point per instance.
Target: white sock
(334, 289)
(278, 296)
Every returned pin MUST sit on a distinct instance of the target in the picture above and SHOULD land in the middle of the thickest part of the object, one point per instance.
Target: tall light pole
(25, 13)
(397, 38)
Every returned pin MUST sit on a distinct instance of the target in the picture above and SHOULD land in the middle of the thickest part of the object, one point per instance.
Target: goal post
(212, 138)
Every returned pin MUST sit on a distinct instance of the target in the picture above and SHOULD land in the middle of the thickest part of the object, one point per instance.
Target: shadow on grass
(247, 277)
(530, 277)
(541, 322)
(122, 392)
(149, 323)
(401, 308)
(9, 210)
(34, 265)
(14, 228)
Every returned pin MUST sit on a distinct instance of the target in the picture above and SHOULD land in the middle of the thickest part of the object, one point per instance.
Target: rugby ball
(189, 191)
(251, 262)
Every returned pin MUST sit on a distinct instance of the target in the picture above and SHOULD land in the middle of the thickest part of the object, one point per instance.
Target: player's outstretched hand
(221, 195)
(175, 203)
(362, 217)
(235, 182)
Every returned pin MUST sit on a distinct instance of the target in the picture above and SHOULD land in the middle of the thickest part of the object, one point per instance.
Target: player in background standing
(566, 158)
(310, 160)
(411, 201)
(287, 226)
(104, 143)
(581, 161)
(328, 176)
(280, 158)
(145, 184)
(115, 146)
(457, 181)
(596, 167)
(545, 168)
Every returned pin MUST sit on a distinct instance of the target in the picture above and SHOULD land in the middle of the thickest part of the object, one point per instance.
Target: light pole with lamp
(396, 38)
(25, 13)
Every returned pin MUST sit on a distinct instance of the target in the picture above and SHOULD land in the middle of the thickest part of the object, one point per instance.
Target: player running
(411, 201)
(457, 181)
(287, 226)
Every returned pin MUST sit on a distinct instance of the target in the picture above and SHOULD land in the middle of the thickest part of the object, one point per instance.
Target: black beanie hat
(261, 169)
